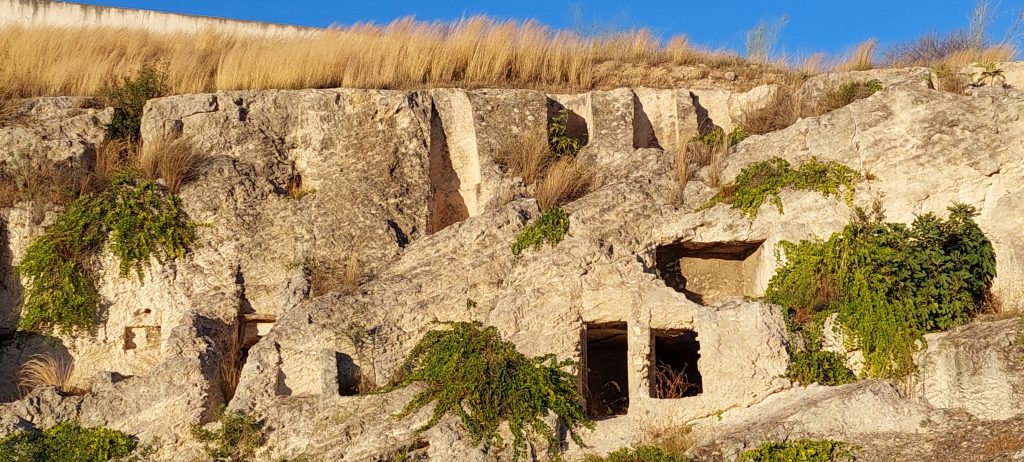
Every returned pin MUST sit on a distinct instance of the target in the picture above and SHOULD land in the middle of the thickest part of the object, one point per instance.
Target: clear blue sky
(831, 26)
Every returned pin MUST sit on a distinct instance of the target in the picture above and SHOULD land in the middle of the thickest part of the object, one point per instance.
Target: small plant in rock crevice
(236, 437)
(561, 143)
(136, 220)
(763, 181)
(66, 442)
(848, 93)
(551, 228)
(799, 451)
(470, 372)
(128, 98)
(889, 283)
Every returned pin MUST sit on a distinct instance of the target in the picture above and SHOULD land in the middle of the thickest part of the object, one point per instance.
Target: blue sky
(832, 26)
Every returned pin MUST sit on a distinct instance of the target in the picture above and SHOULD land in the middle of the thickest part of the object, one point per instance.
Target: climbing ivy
(640, 454)
(551, 227)
(472, 373)
(889, 283)
(763, 181)
(817, 366)
(138, 218)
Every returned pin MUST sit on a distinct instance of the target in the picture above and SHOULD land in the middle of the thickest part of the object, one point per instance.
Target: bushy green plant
(890, 283)
(640, 454)
(715, 136)
(65, 442)
(128, 98)
(472, 373)
(763, 181)
(551, 227)
(799, 451)
(817, 366)
(561, 143)
(850, 92)
(235, 439)
(139, 219)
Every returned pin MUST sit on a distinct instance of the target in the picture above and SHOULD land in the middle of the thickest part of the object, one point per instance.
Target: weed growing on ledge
(235, 439)
(640, 454)
(128, 97)
(562, 145)
(66, 442)
(848, 93)
(551, 227)
(800, 450)
(717, 135)
(138, 218)
(816, 366)
(471, 372)
(763, 181)
(889, 283)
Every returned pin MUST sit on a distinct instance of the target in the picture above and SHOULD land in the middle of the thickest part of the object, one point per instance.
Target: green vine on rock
(140, 220)
(763, 181)
(551, 227)
(799, 451)
(66, 442)
(889, 283)
(472, 373)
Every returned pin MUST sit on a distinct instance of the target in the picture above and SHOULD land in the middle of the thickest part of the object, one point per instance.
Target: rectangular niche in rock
(605, 368)
(709, 273)
(674, 372)
(141, 337)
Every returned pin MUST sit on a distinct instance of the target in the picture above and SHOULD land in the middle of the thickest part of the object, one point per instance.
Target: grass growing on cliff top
(551, 227)
(472, 373)
(139, 220)
(128, 97)
(66, 442)
(889, 283)
(763, 181)
(799, 451)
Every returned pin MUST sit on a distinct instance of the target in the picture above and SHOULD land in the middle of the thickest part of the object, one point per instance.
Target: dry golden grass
(8, 108)
(525, 155)
(230, 368)
(46, 369)
(675, 439)
(681, 171)
(335, 276)
(567, 179)
(33, 179)
(173, 160)
(862, 58)
(473, 52)
(950, 80)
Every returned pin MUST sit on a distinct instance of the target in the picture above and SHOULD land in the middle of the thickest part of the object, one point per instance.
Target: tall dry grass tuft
(335, 276)
(862, 58)
(525, 155)
(567, 179)
(681, 171)
(9, 108)
(404, 54)
(174, 161)
(46, 369)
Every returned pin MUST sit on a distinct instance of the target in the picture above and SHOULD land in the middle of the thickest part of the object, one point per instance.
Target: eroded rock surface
(409, 184)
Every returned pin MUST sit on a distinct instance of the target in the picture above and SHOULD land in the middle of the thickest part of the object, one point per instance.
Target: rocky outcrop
(409, 184)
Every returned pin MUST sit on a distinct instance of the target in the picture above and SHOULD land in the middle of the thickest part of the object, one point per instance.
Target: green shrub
(762, 181)
(561, 143)
(235, 439)
(128, 97)
(816, 366)
(640, 454)
(139, 220)
(714, 137)
(890, 283)
(850, 92)
(471, 372)
(65, 442)
(551, 227)
(799, 451)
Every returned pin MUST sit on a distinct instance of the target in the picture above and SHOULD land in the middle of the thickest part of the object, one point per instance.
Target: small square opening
(710, 273)
(675, 374)
(606, 370)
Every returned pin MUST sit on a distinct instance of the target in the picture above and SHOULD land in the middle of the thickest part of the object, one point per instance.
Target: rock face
(408, 185)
